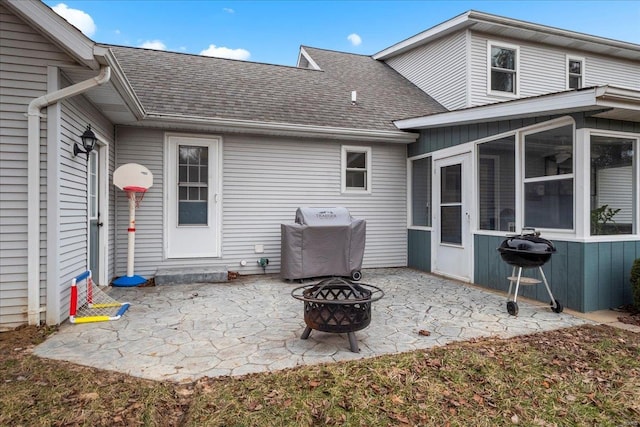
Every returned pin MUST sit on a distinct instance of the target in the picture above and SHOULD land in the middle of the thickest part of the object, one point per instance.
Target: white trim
(498, 93)
(582, 69)
(556, 103)
(305, 54)
(279, 129)
(343, 169)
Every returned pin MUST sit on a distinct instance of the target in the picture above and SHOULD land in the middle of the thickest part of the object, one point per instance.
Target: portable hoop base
(131, 279)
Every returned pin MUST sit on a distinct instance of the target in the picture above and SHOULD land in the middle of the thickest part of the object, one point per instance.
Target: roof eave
(57, 29)
(592, 99)
(279, 129)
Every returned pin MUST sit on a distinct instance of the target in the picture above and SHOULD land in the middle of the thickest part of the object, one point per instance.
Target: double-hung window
(503, 69)
(575, 73)
(356, 169)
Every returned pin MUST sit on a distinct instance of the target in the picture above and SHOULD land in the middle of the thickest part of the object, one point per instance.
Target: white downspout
(33, 184)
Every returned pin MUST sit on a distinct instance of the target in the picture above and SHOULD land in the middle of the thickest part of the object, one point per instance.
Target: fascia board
(123, 87)
(280, 129)
(557, 104)
(57, 29)
(617, 97)
(439, 30)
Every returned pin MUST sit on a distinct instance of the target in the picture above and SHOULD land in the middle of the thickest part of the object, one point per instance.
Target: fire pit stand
(523, 251)
(337, 305)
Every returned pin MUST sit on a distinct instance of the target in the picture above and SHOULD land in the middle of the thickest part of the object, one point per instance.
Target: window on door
(451, 204)
(193, 188)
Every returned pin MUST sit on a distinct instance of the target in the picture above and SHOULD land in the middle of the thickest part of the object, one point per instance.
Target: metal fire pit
(337, 305)
(527, 250)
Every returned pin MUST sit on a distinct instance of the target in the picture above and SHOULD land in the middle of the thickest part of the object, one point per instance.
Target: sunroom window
(497, 184)
(421, 192)
(503, 64)
(548, 179)
(613, 189)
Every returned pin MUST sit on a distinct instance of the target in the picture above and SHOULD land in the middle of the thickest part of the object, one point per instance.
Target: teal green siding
(582, 276)
(419, 249)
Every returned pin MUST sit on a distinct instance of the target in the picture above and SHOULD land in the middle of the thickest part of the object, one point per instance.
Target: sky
(273, 31)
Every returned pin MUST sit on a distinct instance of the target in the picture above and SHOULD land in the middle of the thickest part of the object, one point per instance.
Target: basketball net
(136, 194)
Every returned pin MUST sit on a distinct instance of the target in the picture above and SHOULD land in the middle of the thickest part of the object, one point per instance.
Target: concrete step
(182, 276)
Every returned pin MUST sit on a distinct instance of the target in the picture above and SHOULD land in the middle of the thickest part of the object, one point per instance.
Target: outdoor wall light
(88, 143)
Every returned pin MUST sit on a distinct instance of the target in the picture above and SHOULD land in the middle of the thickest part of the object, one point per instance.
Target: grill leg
(554, 304)
(515, 293)
(513, 273)
(306, 333)
(353, 343)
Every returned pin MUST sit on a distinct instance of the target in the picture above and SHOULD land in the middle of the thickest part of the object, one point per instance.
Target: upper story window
(356, 169)
(503, 68)
(575, 73)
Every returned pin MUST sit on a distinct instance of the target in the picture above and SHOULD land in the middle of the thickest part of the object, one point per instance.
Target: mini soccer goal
(89, 303)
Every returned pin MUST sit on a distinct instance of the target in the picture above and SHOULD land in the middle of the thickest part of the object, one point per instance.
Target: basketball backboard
(132, 176)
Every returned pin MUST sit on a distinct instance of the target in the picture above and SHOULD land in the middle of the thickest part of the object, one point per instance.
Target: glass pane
(356, 179)
(496, 185)
(192, 213)
(451, 224)
(549, 204)
(421, 192)
(503, 58)
(574, 82)
(194, 193)
(183, 193)
(204, 174)
(356, 160)
(182, 174)
(613, 190)
(549, 153)
(193, 174)
(502, 81)
(575, 67)
(450, 184)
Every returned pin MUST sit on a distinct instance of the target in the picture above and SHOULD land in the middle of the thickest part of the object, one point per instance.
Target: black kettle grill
(523, 251)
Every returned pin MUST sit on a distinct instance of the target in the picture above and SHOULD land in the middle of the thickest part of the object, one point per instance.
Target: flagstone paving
(252, 324)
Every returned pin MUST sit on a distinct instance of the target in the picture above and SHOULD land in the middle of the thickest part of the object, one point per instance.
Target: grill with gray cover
(322, 242)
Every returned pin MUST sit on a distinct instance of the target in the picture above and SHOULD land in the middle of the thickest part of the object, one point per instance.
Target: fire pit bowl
(337, 305)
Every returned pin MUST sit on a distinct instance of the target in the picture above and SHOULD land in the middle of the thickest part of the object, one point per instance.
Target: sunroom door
(452, 243)
(193, 206)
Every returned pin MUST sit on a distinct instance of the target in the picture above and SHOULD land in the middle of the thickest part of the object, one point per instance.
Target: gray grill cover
(322, 242)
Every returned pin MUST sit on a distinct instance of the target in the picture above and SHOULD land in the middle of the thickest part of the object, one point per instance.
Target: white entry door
(452, 241)
(193, 208)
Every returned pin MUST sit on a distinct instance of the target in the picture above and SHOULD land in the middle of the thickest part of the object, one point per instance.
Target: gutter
(279, 129)
(33, 184)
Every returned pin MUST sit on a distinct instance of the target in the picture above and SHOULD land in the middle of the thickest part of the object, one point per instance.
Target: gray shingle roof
(198, 86)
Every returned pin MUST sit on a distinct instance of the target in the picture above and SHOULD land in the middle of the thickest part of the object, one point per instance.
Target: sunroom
(566, 164)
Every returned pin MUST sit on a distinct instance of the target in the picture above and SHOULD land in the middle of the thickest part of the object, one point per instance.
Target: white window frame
(516, 71)
(582, 69)
(523, 180)
(343, 169)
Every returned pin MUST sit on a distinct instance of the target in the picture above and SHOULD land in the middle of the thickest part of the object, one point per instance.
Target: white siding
(543, 69)
(438, 68)
(264, 181)
(24, 57)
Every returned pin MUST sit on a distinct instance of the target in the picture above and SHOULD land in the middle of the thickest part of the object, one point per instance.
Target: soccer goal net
(89, 303)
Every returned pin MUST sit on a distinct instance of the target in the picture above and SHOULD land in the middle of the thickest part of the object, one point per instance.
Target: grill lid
(323, 217)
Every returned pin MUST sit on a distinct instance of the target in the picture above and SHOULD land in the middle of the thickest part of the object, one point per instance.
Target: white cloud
(79, 19)
(355, 39)
(225, 52)
(228, 10)
(153, 44)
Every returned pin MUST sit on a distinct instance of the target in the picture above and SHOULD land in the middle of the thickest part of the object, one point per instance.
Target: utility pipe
(33, 183)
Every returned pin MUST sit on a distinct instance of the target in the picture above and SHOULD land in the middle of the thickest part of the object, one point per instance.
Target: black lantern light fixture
(88, 143)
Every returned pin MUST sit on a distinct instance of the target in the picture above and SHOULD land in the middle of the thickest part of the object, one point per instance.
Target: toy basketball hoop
(135, 180)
